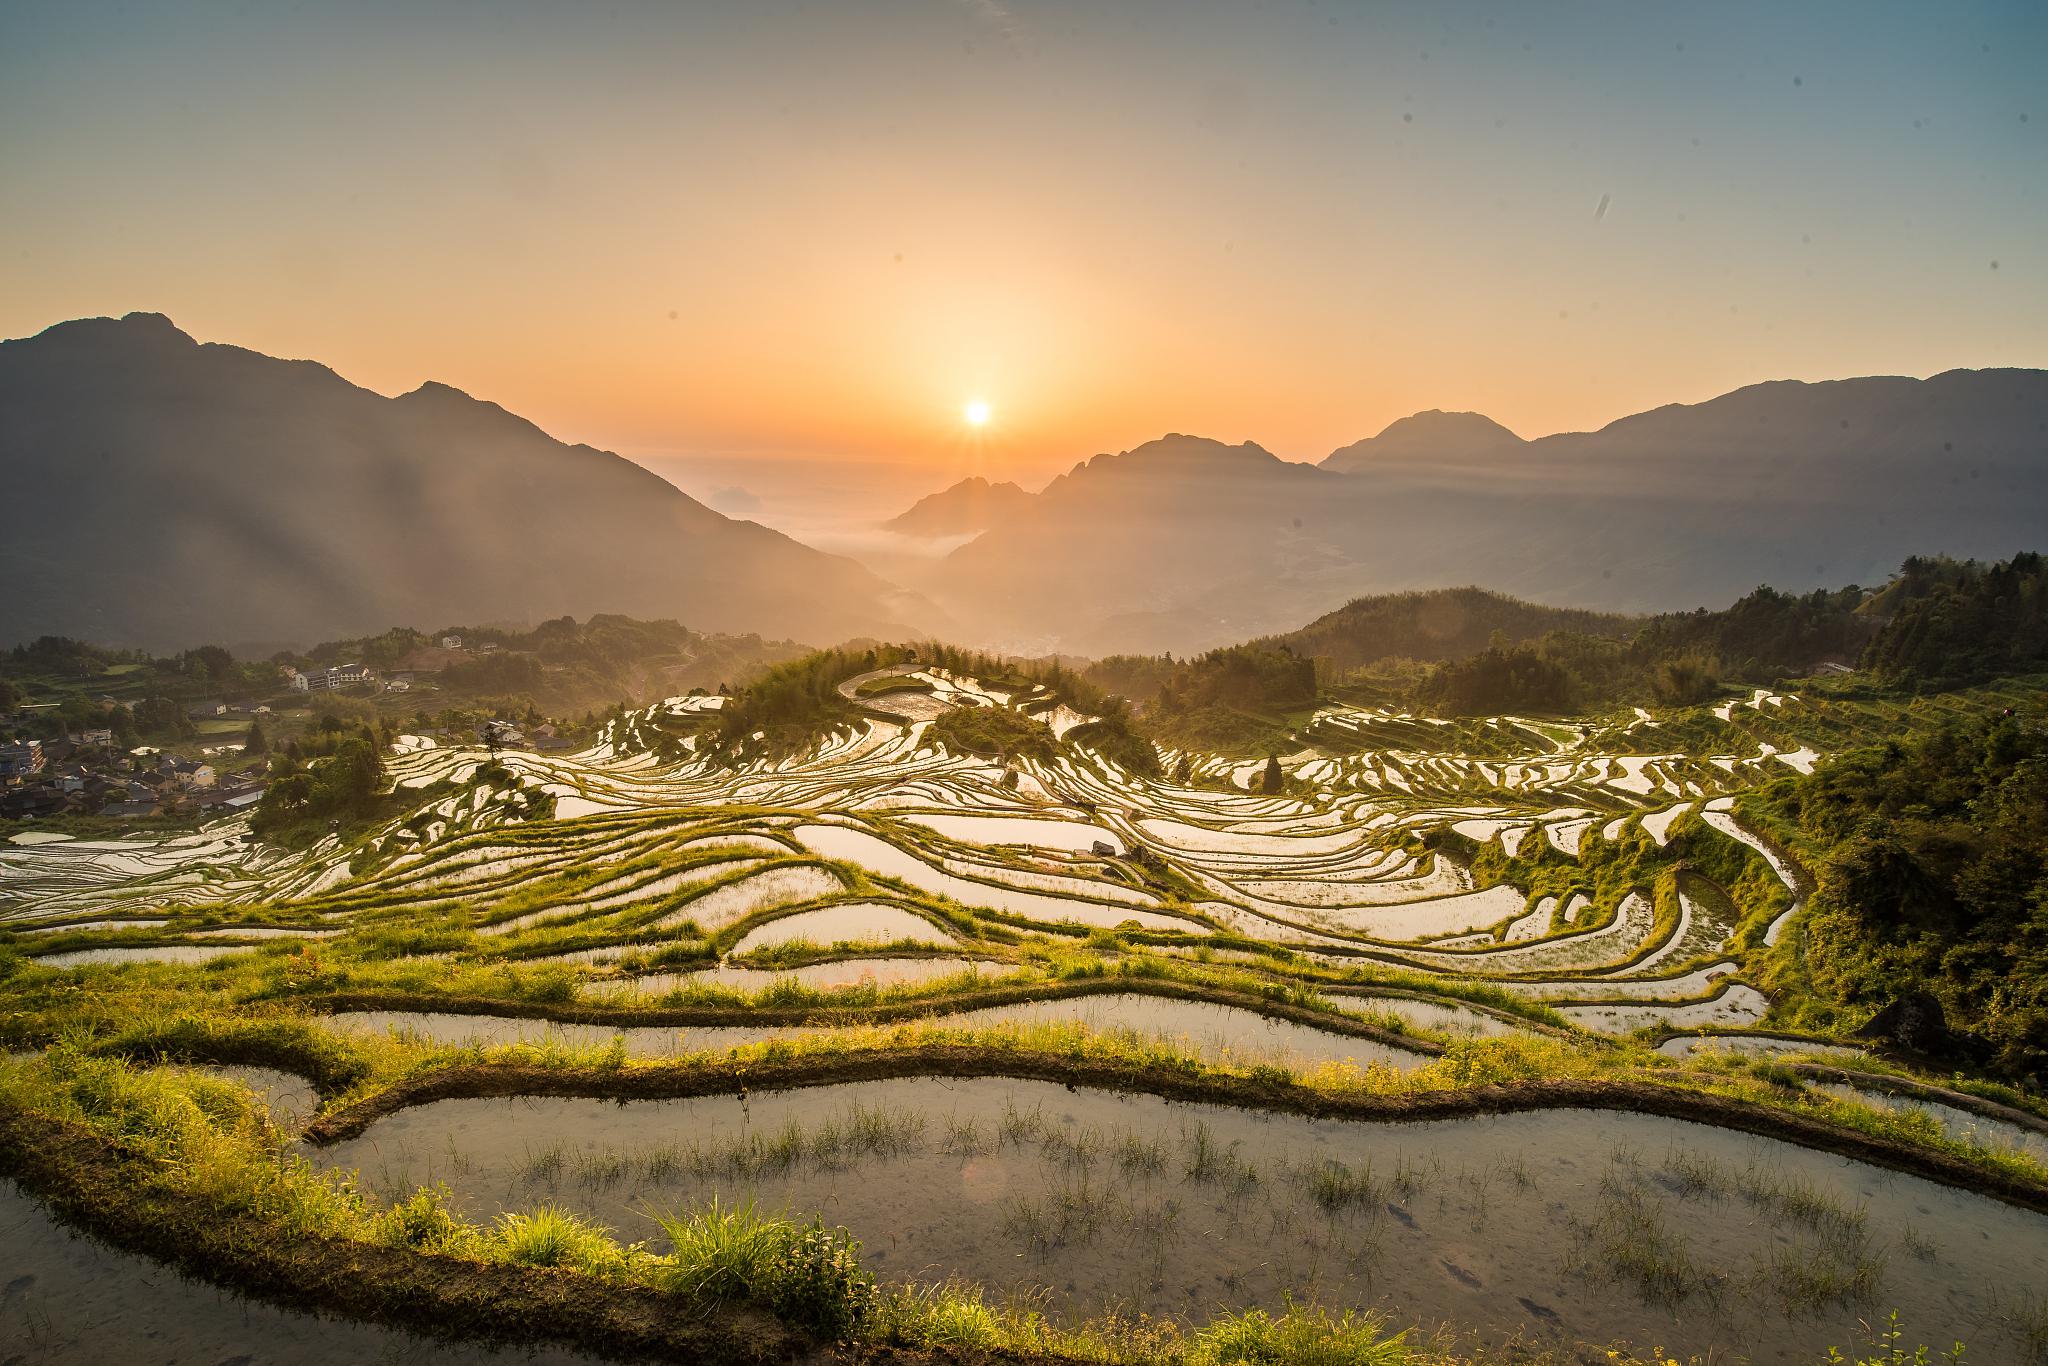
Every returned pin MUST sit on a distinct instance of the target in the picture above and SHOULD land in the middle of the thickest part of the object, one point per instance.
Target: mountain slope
(1447, 623)
(163, 491)
(973, 504)
(1184, 544)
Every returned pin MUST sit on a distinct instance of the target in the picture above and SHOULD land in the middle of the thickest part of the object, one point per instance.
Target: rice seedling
(1806, 1279)
(963, 1137)
(1136, 1156)
(1335, 1187)
(1628, 1240)
(602, 1168)
(544, 1167)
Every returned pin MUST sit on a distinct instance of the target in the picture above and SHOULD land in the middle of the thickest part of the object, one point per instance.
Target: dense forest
(1948, 622)
(1935, 878)
(1232, 698)
(789, 704)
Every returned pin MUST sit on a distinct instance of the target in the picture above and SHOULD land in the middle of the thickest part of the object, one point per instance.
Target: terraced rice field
(861, 839)
(1426, 907)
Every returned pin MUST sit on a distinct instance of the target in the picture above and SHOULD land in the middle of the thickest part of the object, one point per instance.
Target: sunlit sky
(824, 229)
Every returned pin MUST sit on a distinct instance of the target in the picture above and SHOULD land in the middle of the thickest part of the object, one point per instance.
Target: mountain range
(161, 491)
(1185, 542)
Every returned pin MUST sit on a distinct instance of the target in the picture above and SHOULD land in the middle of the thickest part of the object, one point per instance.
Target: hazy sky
(822, 228)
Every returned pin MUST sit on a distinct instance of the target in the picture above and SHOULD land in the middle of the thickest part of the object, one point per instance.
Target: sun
(976, 412)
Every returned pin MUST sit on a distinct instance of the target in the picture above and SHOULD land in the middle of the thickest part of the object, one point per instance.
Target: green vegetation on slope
(1933, 877)
(1444, 624)
(1467, 652)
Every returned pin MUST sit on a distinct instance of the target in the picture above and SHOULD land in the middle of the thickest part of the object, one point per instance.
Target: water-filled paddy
(290, 1098)
(1754, 1045)
(854, 922)
(158, 953)
(1733, 1005)
(67, 1298)
(1965, 1126)
(1437, 1015)
(1218, 1033)
(838, 973)
(1569, 1225)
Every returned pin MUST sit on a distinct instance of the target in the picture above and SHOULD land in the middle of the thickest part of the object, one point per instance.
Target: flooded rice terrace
(1217, 1033)
(1564, 1227)
(65, 1297)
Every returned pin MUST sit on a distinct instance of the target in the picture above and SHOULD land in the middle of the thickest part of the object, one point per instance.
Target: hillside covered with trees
(1933, 877)
(1469, 652)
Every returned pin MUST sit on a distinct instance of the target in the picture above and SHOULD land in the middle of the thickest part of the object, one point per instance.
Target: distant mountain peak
(1431, 435)
(434, 389)
(152, 322)
(129, 330)
(973, 504)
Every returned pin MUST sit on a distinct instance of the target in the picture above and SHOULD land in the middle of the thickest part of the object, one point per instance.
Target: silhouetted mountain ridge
(164, 491)
(973, 504)
(1186, 543)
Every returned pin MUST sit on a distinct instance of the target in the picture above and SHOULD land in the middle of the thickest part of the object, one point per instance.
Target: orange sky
(790, 230)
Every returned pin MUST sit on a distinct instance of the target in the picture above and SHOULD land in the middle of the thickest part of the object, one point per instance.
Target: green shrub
(422, 1222)
(818, 1283)
(809, 1275)
(722, 1253)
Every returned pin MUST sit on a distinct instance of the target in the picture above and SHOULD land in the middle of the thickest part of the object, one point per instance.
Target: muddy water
(66, 1298)
(1546, 1224)
(1214, 1032)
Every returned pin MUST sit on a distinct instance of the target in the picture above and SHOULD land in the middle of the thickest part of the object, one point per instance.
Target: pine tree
(1274, 780)
(256, 742)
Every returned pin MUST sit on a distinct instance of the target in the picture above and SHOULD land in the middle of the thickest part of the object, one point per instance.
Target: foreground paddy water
(1568, 1226)
(67, 1298)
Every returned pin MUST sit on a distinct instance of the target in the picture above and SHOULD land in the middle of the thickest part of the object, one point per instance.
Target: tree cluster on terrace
(333, 773)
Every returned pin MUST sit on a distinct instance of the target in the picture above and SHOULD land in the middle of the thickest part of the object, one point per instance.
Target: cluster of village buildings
(88, 774)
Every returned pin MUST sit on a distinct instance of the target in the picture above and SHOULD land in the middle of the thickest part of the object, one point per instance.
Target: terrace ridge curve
(933, 1009)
